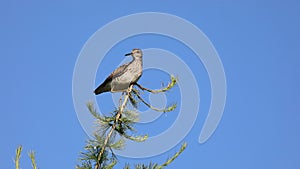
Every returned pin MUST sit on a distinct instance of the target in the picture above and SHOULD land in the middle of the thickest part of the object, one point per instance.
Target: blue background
(258, 43)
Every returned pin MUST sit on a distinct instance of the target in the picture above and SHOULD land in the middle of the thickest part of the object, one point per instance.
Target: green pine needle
(133, 101)
(32, 158)
(183, 146)
(18, 156)
(137, 138)
(170, 108)
(118, 145)
(99, 150)
(92, 110)
(111, 165)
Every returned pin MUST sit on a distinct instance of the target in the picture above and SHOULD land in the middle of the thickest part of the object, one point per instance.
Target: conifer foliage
(112, 131)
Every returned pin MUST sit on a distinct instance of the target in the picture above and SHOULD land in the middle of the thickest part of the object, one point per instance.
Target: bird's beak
(128, 54)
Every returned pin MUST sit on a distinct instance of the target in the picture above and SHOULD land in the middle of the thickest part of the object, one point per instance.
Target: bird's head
(135, 53)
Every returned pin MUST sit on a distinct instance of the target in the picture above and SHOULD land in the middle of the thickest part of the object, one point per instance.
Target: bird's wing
(104, 87)
(117, 72)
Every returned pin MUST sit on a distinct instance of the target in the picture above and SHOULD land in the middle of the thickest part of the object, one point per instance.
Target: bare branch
(169, 86)
(118, 115)
(168, 109)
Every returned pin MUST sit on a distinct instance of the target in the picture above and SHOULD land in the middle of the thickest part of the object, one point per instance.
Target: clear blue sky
(258, 43)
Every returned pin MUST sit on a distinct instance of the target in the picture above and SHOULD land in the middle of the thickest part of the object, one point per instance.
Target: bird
(125, 75)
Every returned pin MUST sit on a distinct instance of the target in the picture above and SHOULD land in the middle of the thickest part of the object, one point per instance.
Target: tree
(99, 152)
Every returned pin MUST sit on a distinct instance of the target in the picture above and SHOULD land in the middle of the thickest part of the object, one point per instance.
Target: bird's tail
(101, 89)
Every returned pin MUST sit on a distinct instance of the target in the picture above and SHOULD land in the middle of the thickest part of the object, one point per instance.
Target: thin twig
(168, 109)
(118, 115)
(174, 157)
(169, 86)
